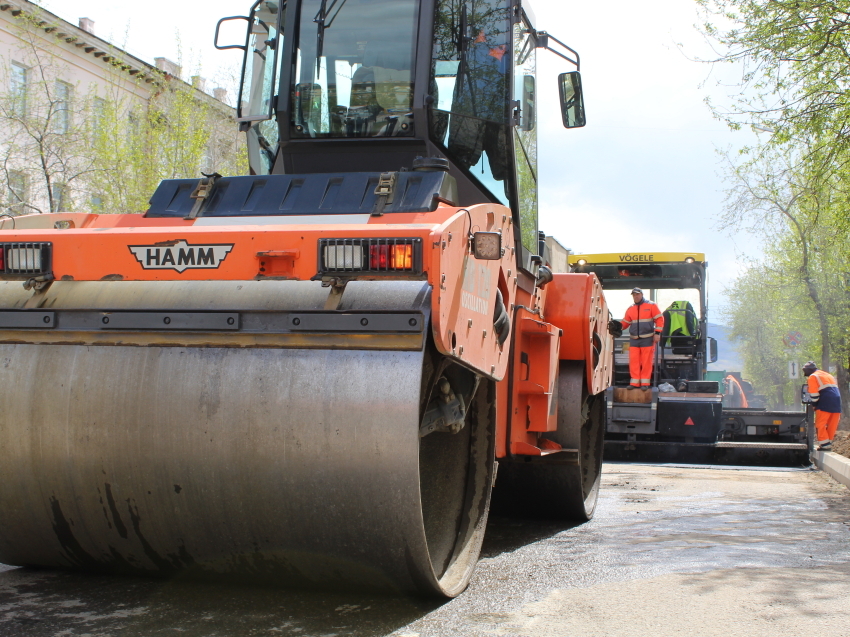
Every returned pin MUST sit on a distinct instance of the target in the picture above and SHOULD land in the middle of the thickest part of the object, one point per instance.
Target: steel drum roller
(290, 465)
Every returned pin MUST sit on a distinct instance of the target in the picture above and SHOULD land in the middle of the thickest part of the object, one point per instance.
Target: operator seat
(381, 94)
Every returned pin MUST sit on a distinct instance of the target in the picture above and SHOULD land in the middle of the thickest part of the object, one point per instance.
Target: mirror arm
(543, 43)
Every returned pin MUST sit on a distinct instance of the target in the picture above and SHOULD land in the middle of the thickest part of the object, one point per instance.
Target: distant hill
(727, 356)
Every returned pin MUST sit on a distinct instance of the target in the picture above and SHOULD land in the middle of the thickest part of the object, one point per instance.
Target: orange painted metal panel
(535, 371)
(464, 296)
(576, 304)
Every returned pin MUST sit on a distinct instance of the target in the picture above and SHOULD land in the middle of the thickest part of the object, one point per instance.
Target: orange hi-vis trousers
(640, 365)
(826, 424)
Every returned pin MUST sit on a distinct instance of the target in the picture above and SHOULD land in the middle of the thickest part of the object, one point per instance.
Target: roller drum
(555, 487)
(295, 466)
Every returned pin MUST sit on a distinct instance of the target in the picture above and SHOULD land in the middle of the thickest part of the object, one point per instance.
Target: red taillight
(391, 257)
(379, 256)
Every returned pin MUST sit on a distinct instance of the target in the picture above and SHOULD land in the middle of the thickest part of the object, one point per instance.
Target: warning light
(689, 421)
(391, 257)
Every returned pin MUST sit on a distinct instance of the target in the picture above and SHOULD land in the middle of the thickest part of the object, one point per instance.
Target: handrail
(543, 43)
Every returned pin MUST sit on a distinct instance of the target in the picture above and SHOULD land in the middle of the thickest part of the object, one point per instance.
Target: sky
(643, 175)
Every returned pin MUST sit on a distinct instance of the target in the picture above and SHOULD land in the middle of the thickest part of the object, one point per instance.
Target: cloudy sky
(644, 175)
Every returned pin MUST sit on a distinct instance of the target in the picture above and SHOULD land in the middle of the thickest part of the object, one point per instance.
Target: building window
(60, 197)
(98, 117)
(18, 89)
(16, 194)
(209, 159)
(63, 95)
(132, 128)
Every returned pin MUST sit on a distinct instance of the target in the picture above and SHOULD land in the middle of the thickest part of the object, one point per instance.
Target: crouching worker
(827, 403)
(645, 323)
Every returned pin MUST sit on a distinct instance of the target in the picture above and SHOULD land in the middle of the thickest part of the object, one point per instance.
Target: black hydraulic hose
(501, 320)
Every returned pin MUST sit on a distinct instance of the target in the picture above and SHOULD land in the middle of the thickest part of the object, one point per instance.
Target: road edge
(835, 465)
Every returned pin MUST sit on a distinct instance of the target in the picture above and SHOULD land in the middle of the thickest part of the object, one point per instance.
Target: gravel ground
(671, 551)
(841, 444)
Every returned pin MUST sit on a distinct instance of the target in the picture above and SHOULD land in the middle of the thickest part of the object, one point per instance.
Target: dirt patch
(841, 443)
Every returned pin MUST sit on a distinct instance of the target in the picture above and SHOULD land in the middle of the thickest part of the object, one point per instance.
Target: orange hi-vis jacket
(644, 320)
(824, 390)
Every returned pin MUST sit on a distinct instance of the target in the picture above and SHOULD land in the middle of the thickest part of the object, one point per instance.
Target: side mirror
(572, 99)
(243, 47)
(487, 245)
(712, 350)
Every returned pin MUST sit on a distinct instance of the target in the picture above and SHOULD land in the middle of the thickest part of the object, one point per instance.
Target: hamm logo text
(181, 256)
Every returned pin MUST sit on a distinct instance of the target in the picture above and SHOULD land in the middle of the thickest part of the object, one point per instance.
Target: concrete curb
(836, 466)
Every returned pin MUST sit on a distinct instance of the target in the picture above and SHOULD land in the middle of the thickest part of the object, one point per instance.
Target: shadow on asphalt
(39, 603)
(505, 534)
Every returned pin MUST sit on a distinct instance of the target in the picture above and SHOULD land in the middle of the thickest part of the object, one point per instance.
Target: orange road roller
(310, 374)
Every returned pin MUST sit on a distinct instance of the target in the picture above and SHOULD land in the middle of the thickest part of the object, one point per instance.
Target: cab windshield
(354, 68)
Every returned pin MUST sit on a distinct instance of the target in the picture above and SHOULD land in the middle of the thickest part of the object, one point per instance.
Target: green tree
(178, 133)
(758, 329)
(792, 190)
(791, 201)
(795, 62)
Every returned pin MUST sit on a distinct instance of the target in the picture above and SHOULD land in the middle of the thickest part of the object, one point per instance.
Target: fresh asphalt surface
(672, 550)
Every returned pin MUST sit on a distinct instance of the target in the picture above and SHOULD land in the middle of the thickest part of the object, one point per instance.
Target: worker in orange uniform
(827, 403)
(645, 322)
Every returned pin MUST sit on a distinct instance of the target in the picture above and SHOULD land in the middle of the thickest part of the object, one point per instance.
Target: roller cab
(307, 375)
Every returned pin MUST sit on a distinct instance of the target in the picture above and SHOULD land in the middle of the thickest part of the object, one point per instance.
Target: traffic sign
(793, 370)
(792, 339)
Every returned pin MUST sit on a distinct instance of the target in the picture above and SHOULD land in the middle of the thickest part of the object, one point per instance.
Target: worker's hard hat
(809, 367)
(637, 291)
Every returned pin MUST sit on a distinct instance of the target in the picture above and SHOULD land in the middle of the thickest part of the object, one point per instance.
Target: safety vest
(824, 391)
(644, 320)
(682, 319)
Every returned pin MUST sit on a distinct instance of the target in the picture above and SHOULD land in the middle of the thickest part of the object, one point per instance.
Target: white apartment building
(87, 127)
